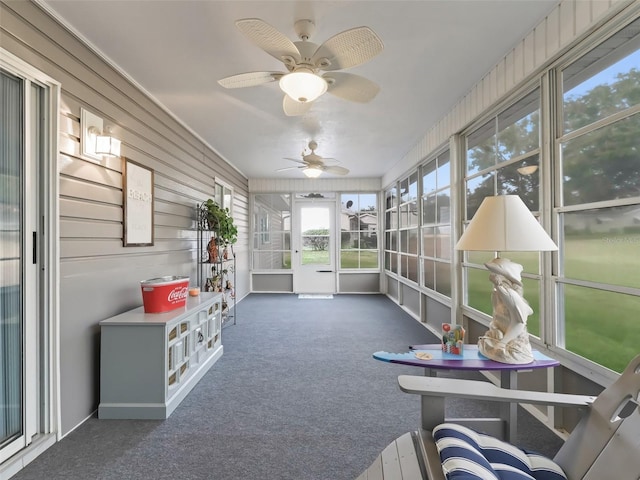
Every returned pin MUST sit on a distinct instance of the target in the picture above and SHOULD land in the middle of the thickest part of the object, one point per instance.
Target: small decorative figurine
(212, 249)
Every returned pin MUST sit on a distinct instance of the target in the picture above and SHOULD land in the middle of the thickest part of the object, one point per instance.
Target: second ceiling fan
(313, 165)
(303, 83)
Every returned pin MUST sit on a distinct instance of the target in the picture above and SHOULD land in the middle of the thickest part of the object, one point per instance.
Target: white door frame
(320, 279)
(42, 394)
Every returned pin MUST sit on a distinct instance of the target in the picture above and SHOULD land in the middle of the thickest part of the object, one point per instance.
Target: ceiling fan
(303, 83)
(313, 164)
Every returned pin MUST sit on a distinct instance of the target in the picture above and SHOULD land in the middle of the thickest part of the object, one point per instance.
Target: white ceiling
(434, 52)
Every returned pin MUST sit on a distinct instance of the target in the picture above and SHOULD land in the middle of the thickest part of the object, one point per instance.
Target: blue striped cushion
(469, 455)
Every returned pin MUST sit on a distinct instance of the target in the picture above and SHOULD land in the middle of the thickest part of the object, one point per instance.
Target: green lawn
(601, 326)
(315, 257)
(349, 259)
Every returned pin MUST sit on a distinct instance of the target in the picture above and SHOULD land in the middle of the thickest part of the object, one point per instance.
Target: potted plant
(218, 220)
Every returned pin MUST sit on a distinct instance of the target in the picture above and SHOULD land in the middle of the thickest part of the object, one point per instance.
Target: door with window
(22, 117)
(314, 258)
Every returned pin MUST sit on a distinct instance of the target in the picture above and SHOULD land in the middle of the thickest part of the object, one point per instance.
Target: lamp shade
(504, 224)
(312, 172)
(303, 85)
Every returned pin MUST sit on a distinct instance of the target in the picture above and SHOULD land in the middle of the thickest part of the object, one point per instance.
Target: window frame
(339, 212)
(560, 137)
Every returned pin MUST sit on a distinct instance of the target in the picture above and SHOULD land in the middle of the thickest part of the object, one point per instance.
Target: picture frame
(137, 204)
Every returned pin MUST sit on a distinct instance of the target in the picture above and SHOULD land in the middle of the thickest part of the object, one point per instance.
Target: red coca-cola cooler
(164, 293)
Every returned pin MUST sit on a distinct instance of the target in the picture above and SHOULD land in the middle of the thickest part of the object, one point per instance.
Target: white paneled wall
(568, 22)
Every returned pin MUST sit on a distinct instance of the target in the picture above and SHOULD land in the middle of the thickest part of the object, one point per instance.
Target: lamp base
(514, 352)
(507, 339)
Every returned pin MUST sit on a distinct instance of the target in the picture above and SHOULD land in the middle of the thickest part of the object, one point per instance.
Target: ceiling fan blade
(335, 169)
(288, 168)
(348, 49)
(269, 39)
(295, 160)
(293, 109)
(249, 79)
(351, 87)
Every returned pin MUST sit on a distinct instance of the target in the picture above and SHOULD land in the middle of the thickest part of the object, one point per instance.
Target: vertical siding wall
(570, 20)
(98, 276)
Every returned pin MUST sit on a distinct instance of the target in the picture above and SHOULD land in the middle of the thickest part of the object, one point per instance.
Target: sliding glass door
(22, 110)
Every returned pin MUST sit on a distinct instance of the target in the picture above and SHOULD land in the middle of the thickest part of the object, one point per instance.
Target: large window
(599, 203)
(408, 227)
(570, 148)
(271, 231)
(391, 230)
(359, 231)
(436, 224)
(502, 158)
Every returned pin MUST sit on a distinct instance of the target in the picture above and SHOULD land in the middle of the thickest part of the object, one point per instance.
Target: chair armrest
(479, 390)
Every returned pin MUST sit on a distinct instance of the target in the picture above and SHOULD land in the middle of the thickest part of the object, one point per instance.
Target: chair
(605, 444)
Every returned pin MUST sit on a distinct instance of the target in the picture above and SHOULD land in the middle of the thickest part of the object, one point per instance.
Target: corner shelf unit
(149, 362)
(216, 269)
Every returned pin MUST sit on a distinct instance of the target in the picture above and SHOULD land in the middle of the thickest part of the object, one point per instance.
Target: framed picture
(137, 193)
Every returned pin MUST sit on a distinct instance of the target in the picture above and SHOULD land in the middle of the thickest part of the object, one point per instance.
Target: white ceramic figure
(507, 339)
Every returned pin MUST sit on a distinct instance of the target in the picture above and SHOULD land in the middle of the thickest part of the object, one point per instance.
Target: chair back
(606, 442)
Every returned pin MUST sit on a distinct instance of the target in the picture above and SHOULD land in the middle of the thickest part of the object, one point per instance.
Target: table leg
(509, 410)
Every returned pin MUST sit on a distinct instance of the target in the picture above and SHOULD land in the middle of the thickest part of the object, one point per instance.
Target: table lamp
(503, 223)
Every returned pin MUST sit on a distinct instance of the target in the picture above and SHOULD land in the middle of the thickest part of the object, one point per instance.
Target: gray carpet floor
(296, 395)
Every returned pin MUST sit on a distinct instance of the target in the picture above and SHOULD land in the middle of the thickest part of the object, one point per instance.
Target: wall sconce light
(96, 141)
(107, 144)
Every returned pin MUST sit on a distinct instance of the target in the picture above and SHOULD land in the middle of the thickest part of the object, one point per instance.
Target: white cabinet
(150, 361)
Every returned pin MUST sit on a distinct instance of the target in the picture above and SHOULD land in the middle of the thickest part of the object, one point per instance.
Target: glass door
(21, 118)
(314, 248)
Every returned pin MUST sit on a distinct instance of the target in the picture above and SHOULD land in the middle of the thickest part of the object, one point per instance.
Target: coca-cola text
(177, 294)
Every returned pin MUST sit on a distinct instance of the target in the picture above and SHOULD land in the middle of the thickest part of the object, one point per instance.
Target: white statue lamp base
(507, 339)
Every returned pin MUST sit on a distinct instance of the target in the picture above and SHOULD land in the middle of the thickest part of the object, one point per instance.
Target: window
(223, 195)
(359, 231)
(391, 229)
(408, 228)
(502, 158)
(271, 232)
(587, 111)
(599, 203)
(436, 224)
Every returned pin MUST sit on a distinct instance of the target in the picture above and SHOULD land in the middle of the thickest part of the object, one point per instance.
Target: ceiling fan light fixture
(312, 172)
(303, 85)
